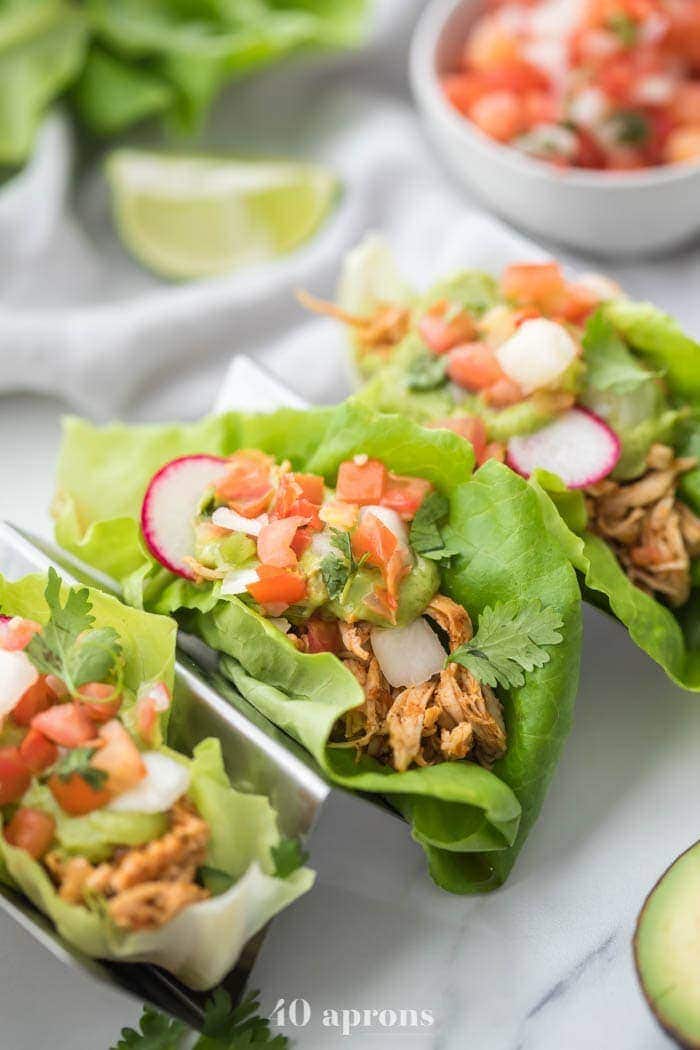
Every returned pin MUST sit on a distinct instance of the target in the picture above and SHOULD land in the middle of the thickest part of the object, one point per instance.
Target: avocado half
(667, 949)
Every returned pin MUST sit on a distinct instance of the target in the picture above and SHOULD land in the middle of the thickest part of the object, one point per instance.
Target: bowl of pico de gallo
(578, 120)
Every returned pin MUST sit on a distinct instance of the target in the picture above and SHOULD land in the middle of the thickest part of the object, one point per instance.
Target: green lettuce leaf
(201, 944)
(466, 818)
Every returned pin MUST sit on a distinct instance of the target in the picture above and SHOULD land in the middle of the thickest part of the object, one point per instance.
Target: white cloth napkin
(78, 318)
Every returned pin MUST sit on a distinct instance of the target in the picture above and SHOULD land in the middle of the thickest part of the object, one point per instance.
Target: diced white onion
(602, 287)
(392, 521)
(589, 107)
(236, 581)
(556, 18)
(321, 545)
(165, 782)
(537, 354)
(281, 623)
(408, 655)
(548, 140)
(225, 518)
(655, 90)
(17, 674)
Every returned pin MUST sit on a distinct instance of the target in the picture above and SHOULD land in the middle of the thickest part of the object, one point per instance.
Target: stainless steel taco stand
(256, 759)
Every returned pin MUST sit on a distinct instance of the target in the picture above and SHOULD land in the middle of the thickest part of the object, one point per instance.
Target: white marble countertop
(543, 964)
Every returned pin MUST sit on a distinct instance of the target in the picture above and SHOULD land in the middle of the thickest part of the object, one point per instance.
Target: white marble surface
(543, 964)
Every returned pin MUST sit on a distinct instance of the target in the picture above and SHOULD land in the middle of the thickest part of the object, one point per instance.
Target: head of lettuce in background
(202, 942)
(641, 374)
(471, 822)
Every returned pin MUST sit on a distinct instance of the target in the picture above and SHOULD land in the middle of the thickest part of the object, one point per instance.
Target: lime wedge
(196, 216)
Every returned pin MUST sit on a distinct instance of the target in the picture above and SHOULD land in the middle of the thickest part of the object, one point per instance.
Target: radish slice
(578, 446)
(230, 519)
(165, 782)
(17, 674)
(236, 581)
(408, 655)
(170, 505)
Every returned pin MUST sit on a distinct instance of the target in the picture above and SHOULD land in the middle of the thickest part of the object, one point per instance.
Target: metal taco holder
(204, 704)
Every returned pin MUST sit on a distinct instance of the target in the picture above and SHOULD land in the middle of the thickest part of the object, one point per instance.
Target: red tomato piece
(31, 830)
(302, 539)
(534, 284)
(441, 327)
(500, 114)
(405, 494)
(473, 366)
(275, 587)
(149, 705)
(37, 698)
(16, 633)
(99, 701)
(275, 539)
(37, 751)
(247, 486)
(322, 636)
(462, 90)
(76, 796)
(65, 724)
(373, 538)
(362, 483)
(470, 427)
(311, 486)
(119, 758)
(15, 777)
(503, 393)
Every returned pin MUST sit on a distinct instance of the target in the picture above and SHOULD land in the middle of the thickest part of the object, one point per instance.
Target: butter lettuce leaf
(467, 819)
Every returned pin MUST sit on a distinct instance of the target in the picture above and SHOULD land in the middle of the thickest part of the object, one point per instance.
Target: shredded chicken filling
(654, 535)
(144, 886)
(446, 719)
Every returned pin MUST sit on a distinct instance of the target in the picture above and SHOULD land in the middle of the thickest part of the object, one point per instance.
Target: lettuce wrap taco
(592, 396)
(415, 628)
(136, 853)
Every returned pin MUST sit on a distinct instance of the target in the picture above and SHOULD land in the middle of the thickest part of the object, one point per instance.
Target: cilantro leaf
(609, 363)
(426, 372)
(227, 1028)
(77, 760)
(630, 127)
(624, 28)
(66, 646)
(509, 640)
(425, 536)
(214, 880)
(336, 569)
(288, 855)
(157, 1032)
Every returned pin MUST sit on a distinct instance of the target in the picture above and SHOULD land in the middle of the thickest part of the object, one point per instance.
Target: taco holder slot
(255, 757)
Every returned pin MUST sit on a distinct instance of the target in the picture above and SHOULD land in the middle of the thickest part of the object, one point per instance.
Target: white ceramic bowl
(610, 213)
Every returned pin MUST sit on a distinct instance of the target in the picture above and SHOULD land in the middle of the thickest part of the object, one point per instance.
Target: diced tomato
(278, 588)
(119, 758)
(489, 45)
(500, 114)
(302, 539)
(322, 636)
(15, 777)
(494, 450)
(683, 145)
(579, 302)
(31, 830)
(470, 427)
(311, 486)
(16, 633)
(540, 108)
(443, 327)
(36, 699)
(373, 538)
(65, 724)
(525, 313)
(534, 284)
(617, 78)
(462, 90)
(151, 702)
(473, 366)
(247, 486)
(37, 751)
(76, 796)
(99, 701)
(339, 515)
(405, 494)
(362, 483)
(274, 542)
(503, 393)
(589, 153)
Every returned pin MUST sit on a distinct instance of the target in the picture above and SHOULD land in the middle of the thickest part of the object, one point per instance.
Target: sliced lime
(198, 216)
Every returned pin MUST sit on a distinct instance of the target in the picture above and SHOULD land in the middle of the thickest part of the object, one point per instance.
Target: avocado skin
(688, 1040)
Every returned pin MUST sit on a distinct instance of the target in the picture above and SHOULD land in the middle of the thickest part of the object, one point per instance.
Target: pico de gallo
(601, 84)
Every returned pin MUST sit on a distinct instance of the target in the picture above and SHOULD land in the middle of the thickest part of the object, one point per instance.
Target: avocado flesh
(667, 949)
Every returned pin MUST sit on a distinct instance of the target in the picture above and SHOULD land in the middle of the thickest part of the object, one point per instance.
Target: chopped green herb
(214, 880)
(157, 1031)
(77, 761)
(624, 28)
(425, 535)
(510, 639)
(287, 856)
(337, 569)
(426, 372)
(66, 646)
(630, 127)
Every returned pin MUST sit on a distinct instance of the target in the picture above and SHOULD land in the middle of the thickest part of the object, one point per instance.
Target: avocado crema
(353, 571)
